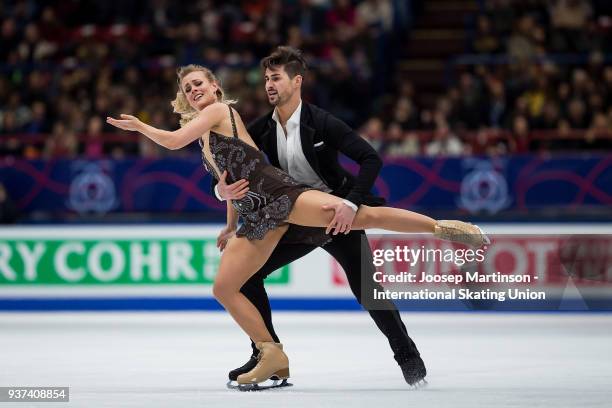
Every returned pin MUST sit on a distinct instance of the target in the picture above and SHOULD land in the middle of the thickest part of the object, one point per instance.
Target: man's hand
(234, 191)
(343, 218)
(224, 236)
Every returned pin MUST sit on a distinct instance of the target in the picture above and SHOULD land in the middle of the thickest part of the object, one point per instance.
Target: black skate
(274, 381)
(414, 372)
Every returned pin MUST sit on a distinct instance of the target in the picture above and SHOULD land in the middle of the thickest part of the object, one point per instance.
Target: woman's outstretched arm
(206, 120)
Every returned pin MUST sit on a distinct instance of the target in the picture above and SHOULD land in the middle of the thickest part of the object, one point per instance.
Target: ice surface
(337, 360)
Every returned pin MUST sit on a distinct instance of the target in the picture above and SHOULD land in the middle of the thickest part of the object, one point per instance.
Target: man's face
(279, 87)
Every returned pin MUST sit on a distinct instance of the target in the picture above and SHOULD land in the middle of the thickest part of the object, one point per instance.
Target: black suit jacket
(323, 136)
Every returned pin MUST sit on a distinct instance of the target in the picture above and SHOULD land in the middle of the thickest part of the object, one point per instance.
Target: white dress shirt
(290, 153)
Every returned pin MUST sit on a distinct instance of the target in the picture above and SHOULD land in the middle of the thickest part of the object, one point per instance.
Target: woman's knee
(369, 217)
(223, 290)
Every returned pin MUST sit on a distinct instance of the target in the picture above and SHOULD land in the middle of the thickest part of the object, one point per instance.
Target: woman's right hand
(224, 236)
(127, 122)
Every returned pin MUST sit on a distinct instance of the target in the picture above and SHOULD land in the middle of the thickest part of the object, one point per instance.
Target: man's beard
(275, 101)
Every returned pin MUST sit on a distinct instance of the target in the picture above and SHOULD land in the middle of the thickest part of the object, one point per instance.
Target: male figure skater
(304, 140)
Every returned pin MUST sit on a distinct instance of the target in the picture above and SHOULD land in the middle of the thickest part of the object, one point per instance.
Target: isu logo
(92, 191)
(484, 189)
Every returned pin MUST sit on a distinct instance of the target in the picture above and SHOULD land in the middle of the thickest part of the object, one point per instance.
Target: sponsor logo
(484, 188)
(113, 262)
(92, 190)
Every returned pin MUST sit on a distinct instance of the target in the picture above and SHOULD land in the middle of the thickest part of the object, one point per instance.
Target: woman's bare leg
(241, 259)
(308, 211)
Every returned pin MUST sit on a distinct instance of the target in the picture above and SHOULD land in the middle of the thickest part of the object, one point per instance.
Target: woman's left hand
(127, 122)
(224, 236)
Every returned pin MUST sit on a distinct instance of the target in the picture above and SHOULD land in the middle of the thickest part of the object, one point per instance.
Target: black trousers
(347, 250)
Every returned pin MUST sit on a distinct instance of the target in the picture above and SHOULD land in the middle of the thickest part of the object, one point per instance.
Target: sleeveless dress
(272, 192)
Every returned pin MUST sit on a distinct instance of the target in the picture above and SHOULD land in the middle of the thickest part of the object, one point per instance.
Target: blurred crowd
(540, 80)
(68, 64)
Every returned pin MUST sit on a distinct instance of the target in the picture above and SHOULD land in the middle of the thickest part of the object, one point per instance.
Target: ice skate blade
(259, 387)
(419, 384)
(485, 238)
(231, 384)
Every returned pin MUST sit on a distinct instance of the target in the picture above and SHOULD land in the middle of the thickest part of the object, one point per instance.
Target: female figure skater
(273, 201)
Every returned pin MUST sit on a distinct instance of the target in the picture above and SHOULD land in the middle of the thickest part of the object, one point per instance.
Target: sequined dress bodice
(272, 192)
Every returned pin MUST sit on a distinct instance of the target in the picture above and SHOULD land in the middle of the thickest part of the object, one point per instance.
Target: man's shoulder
(315, 116)
(314, 110)
(260, 122)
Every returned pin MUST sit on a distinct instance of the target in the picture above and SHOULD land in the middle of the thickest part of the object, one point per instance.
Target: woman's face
(200, 92)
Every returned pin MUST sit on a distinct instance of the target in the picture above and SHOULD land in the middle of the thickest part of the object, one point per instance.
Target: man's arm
(348, 142)
(234, 191)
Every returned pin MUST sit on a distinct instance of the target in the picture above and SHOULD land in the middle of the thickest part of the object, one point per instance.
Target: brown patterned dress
(272, 192)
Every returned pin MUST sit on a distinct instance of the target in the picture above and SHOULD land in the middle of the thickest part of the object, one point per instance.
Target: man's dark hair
(288, 57)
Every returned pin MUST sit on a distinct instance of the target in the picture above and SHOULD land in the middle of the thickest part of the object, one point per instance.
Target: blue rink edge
(280, 303)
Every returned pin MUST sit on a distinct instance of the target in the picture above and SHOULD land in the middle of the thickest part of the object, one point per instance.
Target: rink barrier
(114, 268)
(277, 304)
(477, 185)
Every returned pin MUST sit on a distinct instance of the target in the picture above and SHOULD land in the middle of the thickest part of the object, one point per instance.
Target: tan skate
(272, 362)
(459, 231)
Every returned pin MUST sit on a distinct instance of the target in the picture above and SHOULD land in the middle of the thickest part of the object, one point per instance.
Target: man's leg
(345, 249)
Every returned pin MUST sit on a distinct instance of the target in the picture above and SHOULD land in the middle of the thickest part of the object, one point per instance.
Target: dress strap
(233, 121)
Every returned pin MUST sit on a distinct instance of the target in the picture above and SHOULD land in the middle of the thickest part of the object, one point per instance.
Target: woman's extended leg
(241, 259)
(308, 210)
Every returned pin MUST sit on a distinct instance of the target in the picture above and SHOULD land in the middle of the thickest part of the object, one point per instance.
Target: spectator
(9, 39)
(502, 14)
(400, 143)
(497, 104)
(564, 140)
(342, 20)
(146, 146)
(536, 97)
(486, 40)
(522, 44)
(600, 126)
(607, 84)
(8, 123)
(33, 47)
(372, 131)
(39, 120)
(376, 15)
(405, 114)
(61, 144)
(445, 143)
(577, 114)
(569, 19)
(489, 142)
(550, 116)
(93, 147)
(470, 107)
(8, 210)
(520, 142)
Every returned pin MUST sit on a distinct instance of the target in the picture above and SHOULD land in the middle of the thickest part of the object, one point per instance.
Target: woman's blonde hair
(180, 103)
